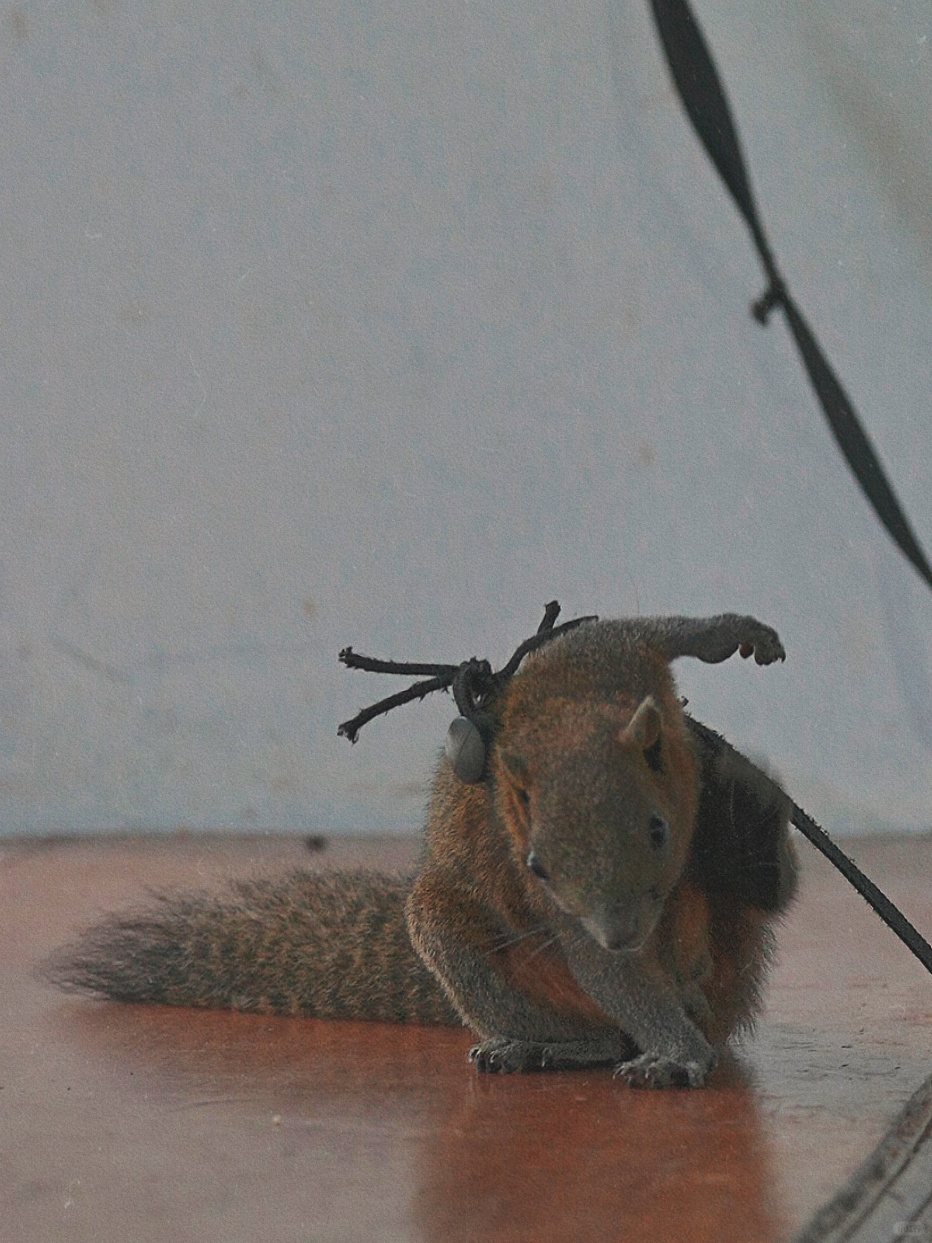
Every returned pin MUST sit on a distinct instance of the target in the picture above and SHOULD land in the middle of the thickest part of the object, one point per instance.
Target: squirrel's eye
(534, 865)
(524, 797)
(658, 830)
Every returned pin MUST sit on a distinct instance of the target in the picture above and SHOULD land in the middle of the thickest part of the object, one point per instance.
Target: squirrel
(605, 895)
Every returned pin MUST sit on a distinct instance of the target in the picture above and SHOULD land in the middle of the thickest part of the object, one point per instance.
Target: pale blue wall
(382, 324)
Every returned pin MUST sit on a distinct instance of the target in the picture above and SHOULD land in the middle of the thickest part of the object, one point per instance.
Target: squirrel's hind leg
(502, 1056)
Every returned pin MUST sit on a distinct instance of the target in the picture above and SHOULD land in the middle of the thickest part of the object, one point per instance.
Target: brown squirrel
(605, 895)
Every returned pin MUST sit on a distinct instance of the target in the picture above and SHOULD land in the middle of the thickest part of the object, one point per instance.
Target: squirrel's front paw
(652, 1071)
(760, 641)
(499, 1056)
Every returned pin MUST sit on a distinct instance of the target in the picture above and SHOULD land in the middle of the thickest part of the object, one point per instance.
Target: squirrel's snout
(616, 932)
(617, 942)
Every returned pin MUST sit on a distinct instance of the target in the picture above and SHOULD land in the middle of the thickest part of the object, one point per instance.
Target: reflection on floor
(152, 1124)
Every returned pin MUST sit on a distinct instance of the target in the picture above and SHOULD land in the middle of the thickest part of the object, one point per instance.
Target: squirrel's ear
(516, 768)
(643, 730)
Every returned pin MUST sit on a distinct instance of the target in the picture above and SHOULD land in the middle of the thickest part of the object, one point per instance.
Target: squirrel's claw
(764, 645)
(504, 1057)
(652, 1071)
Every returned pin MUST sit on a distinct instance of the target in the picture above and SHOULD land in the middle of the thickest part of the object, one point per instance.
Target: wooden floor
(152, 1125)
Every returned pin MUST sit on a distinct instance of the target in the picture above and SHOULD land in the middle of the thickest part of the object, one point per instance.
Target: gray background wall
(382, 324)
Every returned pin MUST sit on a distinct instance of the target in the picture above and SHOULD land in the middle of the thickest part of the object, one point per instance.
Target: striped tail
(322, 944)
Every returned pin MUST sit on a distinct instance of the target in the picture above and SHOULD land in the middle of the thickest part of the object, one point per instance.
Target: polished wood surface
(150, 1124)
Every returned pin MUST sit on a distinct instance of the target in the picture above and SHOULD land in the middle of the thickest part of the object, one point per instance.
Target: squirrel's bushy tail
(322, 944)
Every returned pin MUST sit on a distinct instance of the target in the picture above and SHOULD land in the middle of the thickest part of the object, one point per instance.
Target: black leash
(474, 683)
(700, 89)
(891, 915)
(702, 94)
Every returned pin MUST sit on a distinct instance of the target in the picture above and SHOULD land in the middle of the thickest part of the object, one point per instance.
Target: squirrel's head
(600, 801)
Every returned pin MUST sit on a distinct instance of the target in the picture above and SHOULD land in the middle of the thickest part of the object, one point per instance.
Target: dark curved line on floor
(889, 1197)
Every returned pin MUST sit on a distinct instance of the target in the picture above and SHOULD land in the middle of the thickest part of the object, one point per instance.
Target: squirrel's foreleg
(512, 988)
(639, 995)
(712, 639)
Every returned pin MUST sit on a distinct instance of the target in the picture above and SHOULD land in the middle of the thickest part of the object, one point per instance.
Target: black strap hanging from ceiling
(700, 89)
(697, 81)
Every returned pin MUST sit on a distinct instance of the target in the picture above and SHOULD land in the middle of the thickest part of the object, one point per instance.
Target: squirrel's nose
(628, 939)
(616, 932)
